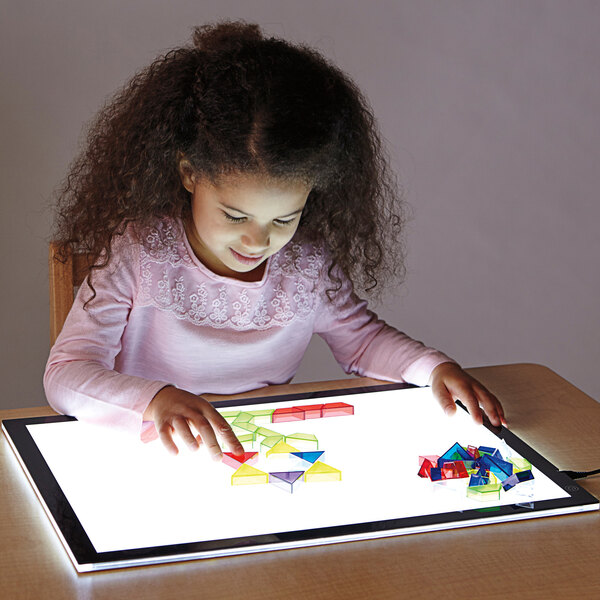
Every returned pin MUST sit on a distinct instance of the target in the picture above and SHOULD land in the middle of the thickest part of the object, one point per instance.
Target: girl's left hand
(449, 383)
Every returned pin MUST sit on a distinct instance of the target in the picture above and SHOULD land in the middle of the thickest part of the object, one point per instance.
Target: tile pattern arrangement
(488, 472)
(293, 459)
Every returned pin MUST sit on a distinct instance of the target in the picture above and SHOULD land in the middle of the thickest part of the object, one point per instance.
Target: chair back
(65, 277)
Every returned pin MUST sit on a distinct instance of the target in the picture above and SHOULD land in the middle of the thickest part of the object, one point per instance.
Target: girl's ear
(186, 172)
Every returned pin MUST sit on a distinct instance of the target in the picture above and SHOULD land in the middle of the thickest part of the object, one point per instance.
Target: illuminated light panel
(322, 472)
(248, 475)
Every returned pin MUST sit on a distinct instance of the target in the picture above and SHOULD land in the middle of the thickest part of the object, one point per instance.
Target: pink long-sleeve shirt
(160, 317)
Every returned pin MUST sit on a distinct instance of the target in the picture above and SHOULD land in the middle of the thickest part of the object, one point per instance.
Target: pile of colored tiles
(297, 454)
(488, 472)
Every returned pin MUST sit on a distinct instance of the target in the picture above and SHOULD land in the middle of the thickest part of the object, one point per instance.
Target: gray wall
(490, 110)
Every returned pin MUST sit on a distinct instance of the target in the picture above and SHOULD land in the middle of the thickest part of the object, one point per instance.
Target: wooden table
(554, 557)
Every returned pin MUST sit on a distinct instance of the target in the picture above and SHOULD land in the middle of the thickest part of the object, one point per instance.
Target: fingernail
(449, 410)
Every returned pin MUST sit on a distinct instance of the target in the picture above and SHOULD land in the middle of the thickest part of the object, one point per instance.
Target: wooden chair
(65, 278)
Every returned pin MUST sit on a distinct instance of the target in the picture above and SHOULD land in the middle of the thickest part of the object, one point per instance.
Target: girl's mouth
(246, 260)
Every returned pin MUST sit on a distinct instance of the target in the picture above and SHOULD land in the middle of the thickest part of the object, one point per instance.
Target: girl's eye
(283, 223)
(234, 219)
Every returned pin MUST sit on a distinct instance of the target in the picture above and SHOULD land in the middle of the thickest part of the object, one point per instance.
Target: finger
(491, 405)
(443, 396)
(223, 430)
(469, 399)
(165, 433)
(207, 433)
(184, 432)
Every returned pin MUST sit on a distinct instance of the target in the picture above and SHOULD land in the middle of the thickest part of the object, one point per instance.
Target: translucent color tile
(243, 428)
(435, 474)
(477, 480)
(269, 442)
(309, 457)
(281, 447)
(484, 493)
(286, 480)
(497, 454)
(243, 417)
(500, 468)
(303, 441)
(520, 464)
(454, 470)
(470, 465)
(249, 458)
(247, 438)
(291, 413)
(263, 432)
(510, 482)
(230, 416)
(486, 450)
(313, 411)
(456, 452)
(262, 417)
(432, 458)
(473, 451)
(524, 475)
(248, 475)
(425, 468)
(337, 409)
(322, 472)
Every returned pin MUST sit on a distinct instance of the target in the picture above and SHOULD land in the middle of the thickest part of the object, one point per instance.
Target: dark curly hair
(234, 102)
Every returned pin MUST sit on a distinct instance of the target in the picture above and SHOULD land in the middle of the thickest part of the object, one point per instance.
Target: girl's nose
(256, 239)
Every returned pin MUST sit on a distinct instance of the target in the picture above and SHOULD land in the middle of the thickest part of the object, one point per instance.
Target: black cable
(580, 474)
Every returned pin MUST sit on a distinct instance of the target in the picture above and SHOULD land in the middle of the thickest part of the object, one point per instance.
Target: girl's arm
(81, 380)
(369, 347)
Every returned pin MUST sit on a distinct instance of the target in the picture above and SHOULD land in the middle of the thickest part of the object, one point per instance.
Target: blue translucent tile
(311, 457)
(456, 452)
(500, 468)
(435, 473)
(524, 475)
(478, 480)
(487, 450)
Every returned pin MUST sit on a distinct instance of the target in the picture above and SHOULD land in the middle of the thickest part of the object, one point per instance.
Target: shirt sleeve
(80, 379)
(367, 346)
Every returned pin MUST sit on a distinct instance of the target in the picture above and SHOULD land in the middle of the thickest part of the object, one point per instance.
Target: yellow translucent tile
(269, 442)
(249, 475)
(521, 464)
(322, 472)
(281, 448)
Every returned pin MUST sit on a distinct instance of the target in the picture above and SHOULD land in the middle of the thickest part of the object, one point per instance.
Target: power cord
(580, 474)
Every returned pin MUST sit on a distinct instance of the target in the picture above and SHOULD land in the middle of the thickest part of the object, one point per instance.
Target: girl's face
(241, 221)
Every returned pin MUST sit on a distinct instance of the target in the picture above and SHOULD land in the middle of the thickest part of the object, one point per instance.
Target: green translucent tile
(246, 438)
(263, 432)
(269, 442)
(484, 493)
(230, 416)
(303, 441)
(521, 464)
(251, 427)
(262, 416)
(243, 417)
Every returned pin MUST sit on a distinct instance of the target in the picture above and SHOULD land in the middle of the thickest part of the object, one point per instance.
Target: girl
(233, 196)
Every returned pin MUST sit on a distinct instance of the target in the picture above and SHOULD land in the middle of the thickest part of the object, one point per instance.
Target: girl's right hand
(174, 410)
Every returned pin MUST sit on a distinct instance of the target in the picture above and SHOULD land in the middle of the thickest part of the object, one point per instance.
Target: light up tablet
(116, 502)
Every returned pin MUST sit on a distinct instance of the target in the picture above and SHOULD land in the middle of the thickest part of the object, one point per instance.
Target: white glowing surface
(130, 495)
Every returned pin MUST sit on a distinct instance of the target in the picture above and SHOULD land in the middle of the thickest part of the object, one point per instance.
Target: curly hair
(235, 101)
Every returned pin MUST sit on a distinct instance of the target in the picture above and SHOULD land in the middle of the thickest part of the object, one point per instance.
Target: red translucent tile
(292, 413)
(313, 411)
(235, 462)
(337, 409)
(426, 466)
